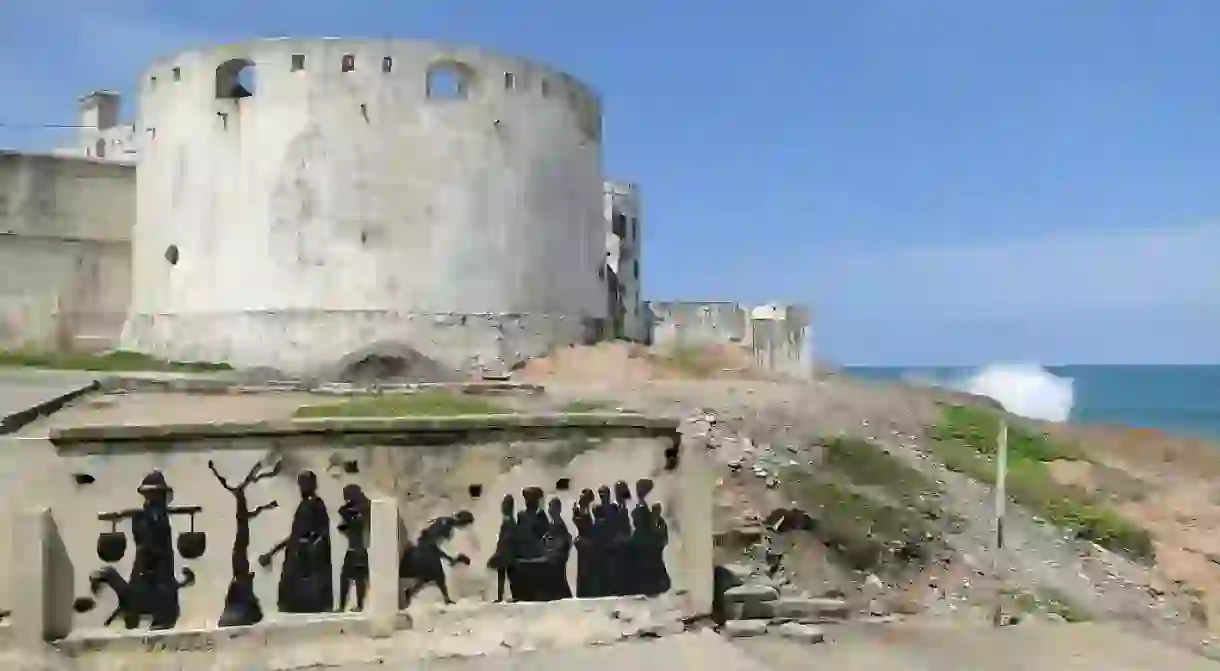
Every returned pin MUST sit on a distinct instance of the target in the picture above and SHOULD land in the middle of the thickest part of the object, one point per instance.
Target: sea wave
(1025, 389)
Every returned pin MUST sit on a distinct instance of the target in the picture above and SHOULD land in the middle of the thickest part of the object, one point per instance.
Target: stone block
(751, 593)
(745, 628)
(756, 610)
(384, 526)
(802, 608)
(42, 581)
(739, 573)
(803, 633)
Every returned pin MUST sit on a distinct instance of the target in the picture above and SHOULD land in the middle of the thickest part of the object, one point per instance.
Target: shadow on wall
(388, 361)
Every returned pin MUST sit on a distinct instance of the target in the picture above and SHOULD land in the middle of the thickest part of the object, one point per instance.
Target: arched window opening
(349, 62)
(99, 149)
(449, 81)
(235, 79)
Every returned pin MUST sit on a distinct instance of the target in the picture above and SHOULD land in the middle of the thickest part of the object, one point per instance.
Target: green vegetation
(965, 441)
(427, 404)
(113, 361)
(692, 361)
(1047, 600)
(588, 406)
(866, 463)
(863, 532)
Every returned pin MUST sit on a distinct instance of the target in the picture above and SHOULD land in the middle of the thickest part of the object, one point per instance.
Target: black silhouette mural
(421, 562)
(241, 604)
(306, 577)
(152, 588)
(620, 550)
(502, 560)
(353, 524)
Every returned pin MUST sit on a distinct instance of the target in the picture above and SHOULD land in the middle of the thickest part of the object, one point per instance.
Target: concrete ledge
(227, 383)
(17, 420)
(431, 430)
(286, 629)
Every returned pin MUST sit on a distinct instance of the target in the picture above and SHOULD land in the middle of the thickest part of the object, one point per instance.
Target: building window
(635, 268)
(298, 62)
(510, 81)
(387, 64)
(546, 88)
(177, 74)
(620, 225)
(100, 149)
(349, 62)
(635, 228)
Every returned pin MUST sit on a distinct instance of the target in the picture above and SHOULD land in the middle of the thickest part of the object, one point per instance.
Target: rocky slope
(881, 494)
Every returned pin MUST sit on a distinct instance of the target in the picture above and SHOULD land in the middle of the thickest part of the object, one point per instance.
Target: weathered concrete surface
(430, 466)
(342, 206)
(65, 224)
(777, 336)
(27, 394)
(1079, 647)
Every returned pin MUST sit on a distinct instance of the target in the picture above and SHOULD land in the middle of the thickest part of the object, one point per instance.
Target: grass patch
(965, 441)
(427, 404)
(113, 361)
(865, 533)
(867, 463)
(1048, 601)
(588, 406)
(691, 361)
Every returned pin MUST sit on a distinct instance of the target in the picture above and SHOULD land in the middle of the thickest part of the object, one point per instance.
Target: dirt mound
(620, 363)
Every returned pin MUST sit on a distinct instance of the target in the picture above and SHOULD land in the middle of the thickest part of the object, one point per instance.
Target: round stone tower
(302, 200)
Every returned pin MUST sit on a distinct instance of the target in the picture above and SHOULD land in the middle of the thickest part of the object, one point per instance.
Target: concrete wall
(428, 478)
(99, 135)
(336, 208)
(621, 208)
(64, 229)
(776, 335)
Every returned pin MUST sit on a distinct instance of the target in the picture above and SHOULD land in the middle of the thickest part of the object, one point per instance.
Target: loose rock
(745, 628)
(804, 633)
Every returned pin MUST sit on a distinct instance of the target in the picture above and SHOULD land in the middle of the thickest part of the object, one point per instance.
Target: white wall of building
(340, 205)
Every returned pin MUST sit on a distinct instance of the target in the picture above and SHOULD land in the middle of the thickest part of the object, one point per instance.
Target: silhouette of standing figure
(582, 519)
(306, 579)
(602, 568)
(354, 521)
(660, 539)
(620, 552)
(529, 549)
(558, 542)
(503, 561)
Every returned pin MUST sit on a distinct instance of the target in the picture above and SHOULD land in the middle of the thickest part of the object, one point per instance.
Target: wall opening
(475, 491)
(349, 62)
(99, 149)
(235, 79)
(171, 255)
(298, 62)
(449, 81)
(546, 88)
(510, 81)
(177, 74)
(387, 64)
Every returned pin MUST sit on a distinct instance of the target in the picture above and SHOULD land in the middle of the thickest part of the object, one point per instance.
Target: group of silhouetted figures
(619, 547)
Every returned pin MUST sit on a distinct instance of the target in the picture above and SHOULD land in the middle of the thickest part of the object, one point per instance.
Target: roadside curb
(18, 420)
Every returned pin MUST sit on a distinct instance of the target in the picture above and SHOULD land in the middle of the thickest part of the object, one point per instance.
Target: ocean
(1179, 400)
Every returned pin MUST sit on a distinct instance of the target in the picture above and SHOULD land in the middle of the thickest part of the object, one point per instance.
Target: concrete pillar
(383, 567)
(42, 580)
(695, 484)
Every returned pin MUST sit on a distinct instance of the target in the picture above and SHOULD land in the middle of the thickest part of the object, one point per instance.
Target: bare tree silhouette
(241, 603)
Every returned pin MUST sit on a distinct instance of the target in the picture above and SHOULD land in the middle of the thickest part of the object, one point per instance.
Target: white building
(623, 288)
(100, 136)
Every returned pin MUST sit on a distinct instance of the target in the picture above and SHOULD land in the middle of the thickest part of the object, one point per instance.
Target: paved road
(23, 388)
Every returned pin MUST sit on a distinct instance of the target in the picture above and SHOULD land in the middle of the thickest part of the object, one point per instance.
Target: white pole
(1001, 500)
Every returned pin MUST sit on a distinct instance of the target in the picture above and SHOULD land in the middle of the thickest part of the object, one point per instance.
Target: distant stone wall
(456, 468)
(65, 226)
(777, 336)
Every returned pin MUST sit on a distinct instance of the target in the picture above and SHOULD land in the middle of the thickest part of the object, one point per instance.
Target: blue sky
(944, 181)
